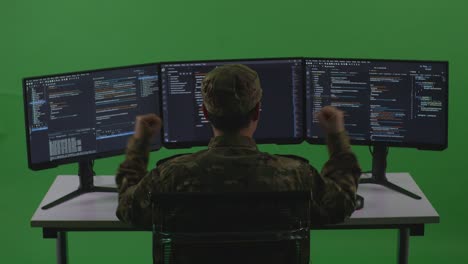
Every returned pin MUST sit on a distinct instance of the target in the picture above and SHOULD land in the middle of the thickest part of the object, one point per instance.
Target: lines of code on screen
(89, 112)
(281, 115)
(396, 102)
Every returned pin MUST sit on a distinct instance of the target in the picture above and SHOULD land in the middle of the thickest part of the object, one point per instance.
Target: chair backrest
(247, 227)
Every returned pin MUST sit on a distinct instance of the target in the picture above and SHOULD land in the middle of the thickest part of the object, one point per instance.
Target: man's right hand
(331, 120)
(147, 125)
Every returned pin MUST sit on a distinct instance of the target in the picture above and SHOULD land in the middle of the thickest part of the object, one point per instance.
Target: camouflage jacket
(233, 163)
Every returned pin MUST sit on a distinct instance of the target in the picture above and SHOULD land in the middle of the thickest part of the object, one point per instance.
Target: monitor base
(379, 167)
(391, 186)
(77, 193)
(86, 176)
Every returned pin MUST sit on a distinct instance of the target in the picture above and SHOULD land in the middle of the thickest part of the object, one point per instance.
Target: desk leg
(403, 245)
(62, 247)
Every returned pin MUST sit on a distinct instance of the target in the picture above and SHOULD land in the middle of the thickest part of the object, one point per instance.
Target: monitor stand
(379, 165)
(86, 176)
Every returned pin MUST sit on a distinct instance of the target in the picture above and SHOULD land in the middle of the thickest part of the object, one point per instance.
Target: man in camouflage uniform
(232, 162)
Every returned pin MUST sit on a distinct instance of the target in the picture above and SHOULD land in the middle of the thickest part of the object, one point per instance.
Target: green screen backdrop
(52, 36)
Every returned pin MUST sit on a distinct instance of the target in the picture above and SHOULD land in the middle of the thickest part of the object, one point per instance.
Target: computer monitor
(386, 102)
(281, 118)
(82, 116)
(396, 103)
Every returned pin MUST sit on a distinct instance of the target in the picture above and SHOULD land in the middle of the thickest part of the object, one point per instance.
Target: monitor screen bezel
(420, 146)
(277, 141)
(55, 163)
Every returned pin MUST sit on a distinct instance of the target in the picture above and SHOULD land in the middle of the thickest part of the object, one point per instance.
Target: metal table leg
(403, 245)
(62, 257)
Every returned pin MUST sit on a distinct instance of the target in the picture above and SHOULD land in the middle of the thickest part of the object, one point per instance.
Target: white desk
(383, 209)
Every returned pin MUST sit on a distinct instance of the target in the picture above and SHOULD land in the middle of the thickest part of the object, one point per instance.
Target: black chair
(248, 227)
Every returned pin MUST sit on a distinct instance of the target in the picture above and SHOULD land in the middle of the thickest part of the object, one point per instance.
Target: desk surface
(382, 206)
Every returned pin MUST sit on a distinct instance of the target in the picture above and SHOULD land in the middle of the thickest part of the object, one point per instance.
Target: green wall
(47, 36)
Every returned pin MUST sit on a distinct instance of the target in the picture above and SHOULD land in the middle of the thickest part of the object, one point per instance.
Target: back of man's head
(231, 94)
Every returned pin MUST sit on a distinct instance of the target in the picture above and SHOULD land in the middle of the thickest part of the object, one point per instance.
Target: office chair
(246, 227)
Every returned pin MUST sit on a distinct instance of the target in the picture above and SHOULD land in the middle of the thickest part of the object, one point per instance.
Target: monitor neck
(86, 174)
(379, 162)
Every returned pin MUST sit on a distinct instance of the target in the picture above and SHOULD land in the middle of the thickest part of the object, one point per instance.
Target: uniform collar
(236, 141)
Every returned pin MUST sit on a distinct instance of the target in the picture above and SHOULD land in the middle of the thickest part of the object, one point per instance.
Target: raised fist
(331, 119)
(147, 125)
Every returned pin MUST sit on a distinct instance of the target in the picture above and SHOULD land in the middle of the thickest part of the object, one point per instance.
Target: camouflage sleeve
(334, 189)
(134, 184)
